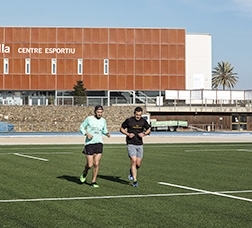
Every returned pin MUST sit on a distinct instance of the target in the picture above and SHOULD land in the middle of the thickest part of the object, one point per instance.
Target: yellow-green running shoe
(82, 178)
(94, 185)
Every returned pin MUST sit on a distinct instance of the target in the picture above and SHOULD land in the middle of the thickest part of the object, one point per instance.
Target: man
(93, 127)
(135, 128)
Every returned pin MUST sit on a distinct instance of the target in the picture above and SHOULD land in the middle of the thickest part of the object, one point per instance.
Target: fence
(175, 98)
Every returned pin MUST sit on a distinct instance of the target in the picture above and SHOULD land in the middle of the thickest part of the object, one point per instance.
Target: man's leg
(133, 161)
(136, 163)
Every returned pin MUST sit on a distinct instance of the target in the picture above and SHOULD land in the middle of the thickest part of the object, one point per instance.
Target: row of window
(54, 66)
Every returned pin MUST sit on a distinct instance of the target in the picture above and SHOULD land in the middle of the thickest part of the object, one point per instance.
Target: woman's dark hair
(98, 107)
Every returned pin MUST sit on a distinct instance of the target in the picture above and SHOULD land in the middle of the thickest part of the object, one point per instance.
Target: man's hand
(141, 134)
(131, 135)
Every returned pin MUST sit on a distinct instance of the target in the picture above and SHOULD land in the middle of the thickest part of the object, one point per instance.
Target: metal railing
(143, 100)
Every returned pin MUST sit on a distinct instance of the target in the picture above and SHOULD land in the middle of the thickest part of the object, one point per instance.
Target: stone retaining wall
(60, 118)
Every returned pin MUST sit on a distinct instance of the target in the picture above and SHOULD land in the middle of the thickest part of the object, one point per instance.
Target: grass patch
(39, 193)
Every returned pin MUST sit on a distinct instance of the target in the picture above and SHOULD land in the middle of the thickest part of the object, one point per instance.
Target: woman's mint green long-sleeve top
(95, 127)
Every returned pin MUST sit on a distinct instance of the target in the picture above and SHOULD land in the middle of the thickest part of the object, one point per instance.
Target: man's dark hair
(138, 109)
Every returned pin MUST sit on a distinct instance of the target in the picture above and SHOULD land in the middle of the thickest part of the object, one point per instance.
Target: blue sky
(228, 21)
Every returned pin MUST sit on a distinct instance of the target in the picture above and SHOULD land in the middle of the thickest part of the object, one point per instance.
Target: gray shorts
(135, 150)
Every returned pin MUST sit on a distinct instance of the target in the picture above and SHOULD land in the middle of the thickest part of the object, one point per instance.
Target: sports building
(117, 65)
(44, 61)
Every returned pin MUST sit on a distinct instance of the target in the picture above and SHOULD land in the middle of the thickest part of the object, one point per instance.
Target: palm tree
(223, 75)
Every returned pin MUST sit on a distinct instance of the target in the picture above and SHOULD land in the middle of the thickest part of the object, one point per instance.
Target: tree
(223, 75)
(79, 93)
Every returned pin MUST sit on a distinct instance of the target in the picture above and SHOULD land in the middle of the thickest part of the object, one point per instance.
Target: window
(243, 118)
(106, 67)
(6, 66)
(54, 66)
(79, 70)
(239, 122)
(27, 66)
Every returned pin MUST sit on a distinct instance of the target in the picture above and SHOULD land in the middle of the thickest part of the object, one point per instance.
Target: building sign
(48, 50)
(4, 49)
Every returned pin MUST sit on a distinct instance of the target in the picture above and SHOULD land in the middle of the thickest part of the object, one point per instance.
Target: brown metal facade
(139, 58)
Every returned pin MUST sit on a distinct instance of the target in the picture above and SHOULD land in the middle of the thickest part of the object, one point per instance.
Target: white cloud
(243, 6)
(240, 7)
(209, 5)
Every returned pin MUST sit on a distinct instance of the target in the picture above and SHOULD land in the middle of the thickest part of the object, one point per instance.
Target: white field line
(240, 191)
(210, 150)
(27, 156)
(217, 150)
(115, 197)
(99, 197)
(45, 147)
(244, 150)
(206, 192)
(53, 153)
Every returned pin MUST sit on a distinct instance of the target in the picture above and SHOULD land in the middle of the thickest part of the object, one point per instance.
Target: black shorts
(92, 149)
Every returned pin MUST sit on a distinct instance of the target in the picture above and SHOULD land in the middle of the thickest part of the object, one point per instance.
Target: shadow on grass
(72, 179)
(113, 178)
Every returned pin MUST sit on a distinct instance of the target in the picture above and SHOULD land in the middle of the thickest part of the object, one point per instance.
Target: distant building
(48, 61)
(166, 69)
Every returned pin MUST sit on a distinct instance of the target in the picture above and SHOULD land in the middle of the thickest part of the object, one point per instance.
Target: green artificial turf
(203, 185)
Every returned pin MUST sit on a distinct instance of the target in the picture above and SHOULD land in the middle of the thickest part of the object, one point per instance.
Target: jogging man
(93, 127)
(135, 128)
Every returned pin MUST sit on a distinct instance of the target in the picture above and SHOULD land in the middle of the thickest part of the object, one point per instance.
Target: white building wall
(198, 61)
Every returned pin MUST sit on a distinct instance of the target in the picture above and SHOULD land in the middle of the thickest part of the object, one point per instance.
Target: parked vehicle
(169, 125)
